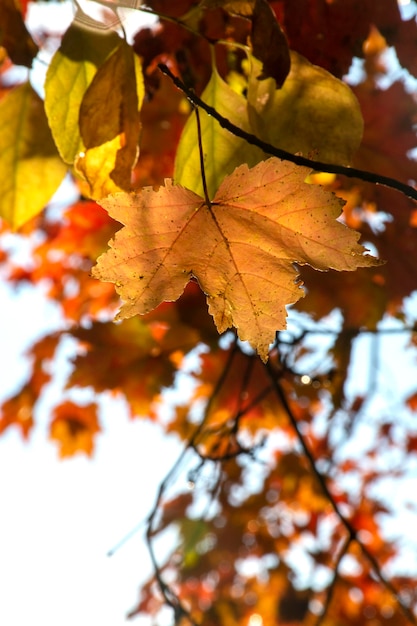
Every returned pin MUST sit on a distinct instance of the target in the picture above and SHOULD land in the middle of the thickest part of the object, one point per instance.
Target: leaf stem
(200, 150)
(350, 172)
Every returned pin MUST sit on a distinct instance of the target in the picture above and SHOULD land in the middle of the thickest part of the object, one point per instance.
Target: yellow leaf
(239, 7)
(223, 152)
(313, 113)
(241, 247)
(110, 124)
(30, 167)
(71, 71)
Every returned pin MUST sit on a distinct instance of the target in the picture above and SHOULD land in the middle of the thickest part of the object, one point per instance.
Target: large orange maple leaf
(241, 247)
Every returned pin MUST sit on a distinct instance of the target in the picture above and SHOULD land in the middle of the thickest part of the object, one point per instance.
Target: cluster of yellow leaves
(90, 118)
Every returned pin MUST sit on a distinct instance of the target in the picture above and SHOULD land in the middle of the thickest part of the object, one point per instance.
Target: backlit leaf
(110, 124)
(240, 7)
(241, 248)
(71, 71)
(389, 135)
(133, 358)
(14, 35)
(30, 167)
(74, 428)
(312, 112)
(331, 33)
(405, 39)
(269, 44)
(18, 411)
(229, 150)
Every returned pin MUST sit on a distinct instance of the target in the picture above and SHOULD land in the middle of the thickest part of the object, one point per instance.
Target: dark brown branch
(332, 586)
(350, 172)
(170, 597)
(351, 531)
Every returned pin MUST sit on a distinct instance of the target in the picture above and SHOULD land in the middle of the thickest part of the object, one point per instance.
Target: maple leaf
(241, 247)
(74, 427)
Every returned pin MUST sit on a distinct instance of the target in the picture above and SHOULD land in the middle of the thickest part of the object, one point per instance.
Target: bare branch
(170, 597)
(332, 586)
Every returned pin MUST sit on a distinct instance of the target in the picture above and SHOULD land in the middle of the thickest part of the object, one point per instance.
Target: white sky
(58, 520)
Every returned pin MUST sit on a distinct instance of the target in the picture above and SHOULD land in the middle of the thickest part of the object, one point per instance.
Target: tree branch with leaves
(246, 205)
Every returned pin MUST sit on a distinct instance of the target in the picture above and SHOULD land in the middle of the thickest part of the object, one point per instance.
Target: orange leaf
(74, 428)
(411, 401)
(241, 247)
(18, 411)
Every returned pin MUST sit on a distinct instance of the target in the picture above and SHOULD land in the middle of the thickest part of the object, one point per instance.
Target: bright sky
(60, 518)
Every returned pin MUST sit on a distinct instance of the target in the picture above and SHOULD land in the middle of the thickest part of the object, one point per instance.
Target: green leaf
(313, 113)
(110, 123)
(30, 167)
(223, 151)
(71, 71)
(194, 536)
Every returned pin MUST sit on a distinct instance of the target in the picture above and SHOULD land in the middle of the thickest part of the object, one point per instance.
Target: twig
(126, 538)
(170, 597)
(332, 586)
(347, 331)
(350, 172)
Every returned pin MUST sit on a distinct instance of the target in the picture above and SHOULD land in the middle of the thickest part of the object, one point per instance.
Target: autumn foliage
(246, 218)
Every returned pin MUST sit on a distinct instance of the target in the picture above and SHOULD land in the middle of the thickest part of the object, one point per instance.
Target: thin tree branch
(126, 538)
(352, 532)
(331, 588)
(350, 172)
(347, 331)
(170, 597)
